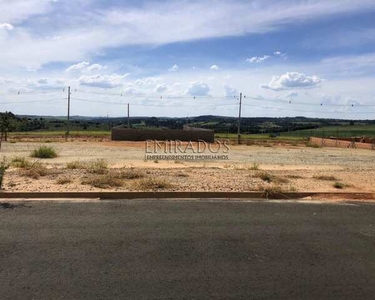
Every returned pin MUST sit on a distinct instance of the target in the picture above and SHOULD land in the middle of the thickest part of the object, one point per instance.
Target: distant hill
(24, 123)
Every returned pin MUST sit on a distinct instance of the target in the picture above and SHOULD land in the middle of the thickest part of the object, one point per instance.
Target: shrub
(338, 185)
(44, 152)
(99, 166)
(20, 162)
(104, 182)
(35, 171)
(129, 174)
(273, 192)
(264, 176)
(254, 167)
(3, 167)
(152, 184)
(326, 177)
(73, 165)
(63, 180)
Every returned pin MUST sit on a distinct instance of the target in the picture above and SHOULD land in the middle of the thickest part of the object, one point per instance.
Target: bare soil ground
(284, 167)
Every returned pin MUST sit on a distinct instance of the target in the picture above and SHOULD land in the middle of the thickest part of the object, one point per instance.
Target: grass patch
(294, 176)
(63, 180)
(152, 184)
(254, 167)
(35, 171)
(339, 185)
(310, 145)
(76, 165)
(129, 174)
(103, 182)
(20, 162)
(273, 192)
(44, 152)
(264, 176)
(99, 166)
(3, 167)
(325, 177)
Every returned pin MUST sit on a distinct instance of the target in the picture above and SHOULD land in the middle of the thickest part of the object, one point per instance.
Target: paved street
(187, 250)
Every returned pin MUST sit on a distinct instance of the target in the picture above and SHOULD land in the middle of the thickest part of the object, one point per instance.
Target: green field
(336, 131)
(60, 133)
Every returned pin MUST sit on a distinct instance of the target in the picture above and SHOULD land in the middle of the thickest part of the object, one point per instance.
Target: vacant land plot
(120, 166)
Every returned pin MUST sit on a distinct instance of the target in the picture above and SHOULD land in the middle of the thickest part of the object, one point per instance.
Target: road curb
(179, 195)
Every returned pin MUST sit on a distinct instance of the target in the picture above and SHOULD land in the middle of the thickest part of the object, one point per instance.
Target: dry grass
(254, 167)
(265, 176)
(129, 174)
(20, 162)
(99, 166)
(325, 177)
(152, 184)
(273, 192)
(76, 165)
(35, 171)
(294, 176)
(102, 181)
(63, 180)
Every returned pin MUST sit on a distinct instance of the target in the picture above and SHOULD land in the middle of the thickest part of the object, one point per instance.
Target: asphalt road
(187, 250)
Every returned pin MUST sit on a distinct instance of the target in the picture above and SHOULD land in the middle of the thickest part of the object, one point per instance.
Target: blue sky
(312, 58)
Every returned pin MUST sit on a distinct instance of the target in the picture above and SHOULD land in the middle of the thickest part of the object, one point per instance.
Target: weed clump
(326, 177)
(20, 162)
(152, 184)
(44, 152)
(103, 182)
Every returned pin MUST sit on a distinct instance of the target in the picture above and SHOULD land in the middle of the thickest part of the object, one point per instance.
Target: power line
(152, 105)
(308, 104)
(32, 101)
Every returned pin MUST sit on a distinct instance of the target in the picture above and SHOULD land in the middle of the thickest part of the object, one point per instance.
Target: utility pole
(68, 123)
(128, 115)
(239, 121)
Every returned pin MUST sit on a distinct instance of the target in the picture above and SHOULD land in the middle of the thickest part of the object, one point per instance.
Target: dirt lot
(249, 168)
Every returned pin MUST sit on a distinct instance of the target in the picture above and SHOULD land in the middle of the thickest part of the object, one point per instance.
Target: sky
(312, 58)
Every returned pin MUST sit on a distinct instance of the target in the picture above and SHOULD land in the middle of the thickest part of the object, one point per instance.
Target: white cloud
(105, 81)
(78, 67)
(230, 91)
(198, 88)
(215, 67)
(258, 59)
(174, 68)
(161, 88)
(95, 67)
(85, 67)
(292, 80)
(6, 26)
(84, 34)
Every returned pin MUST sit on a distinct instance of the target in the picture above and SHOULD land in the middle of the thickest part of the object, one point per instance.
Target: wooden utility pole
(128, 115)
(239, 121)
(68, 123)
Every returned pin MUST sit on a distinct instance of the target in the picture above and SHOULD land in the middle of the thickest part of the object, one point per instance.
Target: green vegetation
(284, 129)
(338, 185)
(99, 166)
(20, 162)
(44, 152)
(254, 167)
(3, 167)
